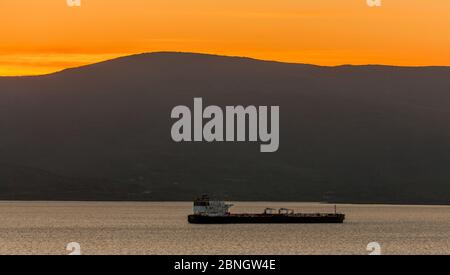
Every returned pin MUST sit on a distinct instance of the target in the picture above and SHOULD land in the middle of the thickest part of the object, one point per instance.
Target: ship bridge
(207, 207)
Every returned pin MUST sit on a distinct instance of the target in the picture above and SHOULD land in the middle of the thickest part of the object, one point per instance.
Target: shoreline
(240, 202)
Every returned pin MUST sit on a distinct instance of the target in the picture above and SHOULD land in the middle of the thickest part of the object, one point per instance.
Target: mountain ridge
(347, 134)
(242, 58)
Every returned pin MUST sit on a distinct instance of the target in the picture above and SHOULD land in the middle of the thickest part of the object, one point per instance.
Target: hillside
(347, 134)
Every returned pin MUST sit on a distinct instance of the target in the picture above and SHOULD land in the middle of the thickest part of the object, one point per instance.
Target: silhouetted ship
(213, 212)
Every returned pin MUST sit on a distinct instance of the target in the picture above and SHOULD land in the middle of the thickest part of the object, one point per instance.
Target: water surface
(161, 228)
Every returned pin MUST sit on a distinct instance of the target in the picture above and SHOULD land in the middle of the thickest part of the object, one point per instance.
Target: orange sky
(42, 36)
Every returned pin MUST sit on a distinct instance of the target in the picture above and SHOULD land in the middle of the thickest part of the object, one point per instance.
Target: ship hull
(263, 218)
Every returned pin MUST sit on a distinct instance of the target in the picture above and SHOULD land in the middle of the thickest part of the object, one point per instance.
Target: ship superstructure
(205, 206)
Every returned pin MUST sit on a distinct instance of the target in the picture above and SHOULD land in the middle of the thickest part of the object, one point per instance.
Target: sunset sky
(43, 36)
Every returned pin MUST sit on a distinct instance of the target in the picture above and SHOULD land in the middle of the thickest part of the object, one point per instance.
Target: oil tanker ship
(208, 211)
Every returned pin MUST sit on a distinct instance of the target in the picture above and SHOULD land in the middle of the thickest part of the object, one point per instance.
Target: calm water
(161, 228)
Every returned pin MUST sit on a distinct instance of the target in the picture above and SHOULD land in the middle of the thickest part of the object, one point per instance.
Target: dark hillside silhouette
(347, 134)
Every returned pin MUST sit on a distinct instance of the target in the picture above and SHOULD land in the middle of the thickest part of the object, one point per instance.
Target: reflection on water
(161, 228)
